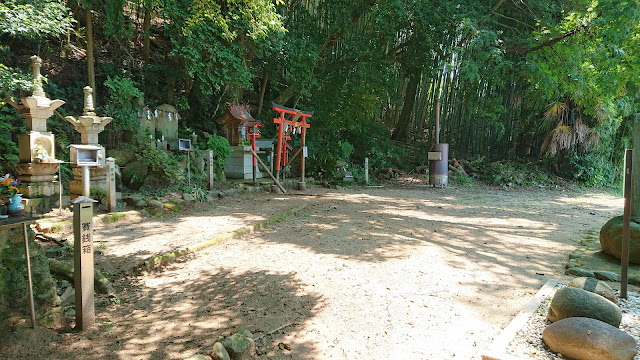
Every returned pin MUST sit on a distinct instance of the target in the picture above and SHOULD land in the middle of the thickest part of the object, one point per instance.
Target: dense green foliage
(221, 151)
(544, 81)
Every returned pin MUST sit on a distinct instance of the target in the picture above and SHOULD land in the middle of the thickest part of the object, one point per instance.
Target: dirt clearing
(366, 273)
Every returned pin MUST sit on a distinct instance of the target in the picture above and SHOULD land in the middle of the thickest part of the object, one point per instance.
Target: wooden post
(366, 170)
(624, 259)
(304, 150)
(91, 74)
(189, 167)
(26, 249)
(210, 173)
(59, 188)
(83, 262)
(279, 145)
(271, 160)
(255, 165)
(111, 184)
(268, 172)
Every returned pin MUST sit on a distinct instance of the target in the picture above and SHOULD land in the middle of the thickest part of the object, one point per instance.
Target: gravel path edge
(497, 350)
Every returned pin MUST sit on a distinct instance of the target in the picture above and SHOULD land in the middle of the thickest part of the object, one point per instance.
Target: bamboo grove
(517, 79)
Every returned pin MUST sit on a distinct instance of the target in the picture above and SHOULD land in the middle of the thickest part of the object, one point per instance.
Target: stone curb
(171, 256)
(497, 350)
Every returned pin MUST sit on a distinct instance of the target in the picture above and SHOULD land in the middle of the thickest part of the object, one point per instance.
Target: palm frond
(556, 108)
(580, 131)
(557, 140)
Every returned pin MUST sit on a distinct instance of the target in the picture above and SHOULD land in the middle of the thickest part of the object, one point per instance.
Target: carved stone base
(40, 189)
(37, 168)
(37, 178)
(93, 172)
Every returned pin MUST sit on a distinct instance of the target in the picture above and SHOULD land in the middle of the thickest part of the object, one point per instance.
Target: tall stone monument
(89, 126)
(38, 166)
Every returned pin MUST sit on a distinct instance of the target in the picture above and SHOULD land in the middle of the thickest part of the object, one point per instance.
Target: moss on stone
(13, 274)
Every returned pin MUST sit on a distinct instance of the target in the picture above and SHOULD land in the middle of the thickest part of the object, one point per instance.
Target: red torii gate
(286, 126)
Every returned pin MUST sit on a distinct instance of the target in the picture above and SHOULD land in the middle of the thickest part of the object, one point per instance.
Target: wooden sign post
(366, 170)
(624, 258)
(111, 184)
(83, 261)
(210, 172)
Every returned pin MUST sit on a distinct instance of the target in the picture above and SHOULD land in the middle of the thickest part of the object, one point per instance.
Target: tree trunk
(265, 79)
(91, 73)
(401, 131)
(146, 25)
(286, 95)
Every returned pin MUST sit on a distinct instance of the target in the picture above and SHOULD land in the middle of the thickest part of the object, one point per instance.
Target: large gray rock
(576, 271)
(240, 345)
(155, 203)
(606, 275)
(595, 286)
(133, 199)
(134, 173)
(583, 338)
(611, 239)
(123, 157)
(219, 352)
(573, 302)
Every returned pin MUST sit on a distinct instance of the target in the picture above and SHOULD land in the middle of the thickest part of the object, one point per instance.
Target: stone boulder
(123, 157)
(573, 302)
(134, 173)
(611, 239)
(606, 275)
(133, 199)
(155, 204)
(595, 286)
(218, 352)
(589, 339)
(151, 182)
(240, 345)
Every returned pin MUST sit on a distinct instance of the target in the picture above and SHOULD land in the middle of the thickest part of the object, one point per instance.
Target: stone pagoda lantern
(38, 167)
(89, 126)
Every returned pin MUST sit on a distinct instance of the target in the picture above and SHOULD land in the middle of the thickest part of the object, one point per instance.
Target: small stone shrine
(162, 124)
(38, 166)
(236, 120)
(89, 126)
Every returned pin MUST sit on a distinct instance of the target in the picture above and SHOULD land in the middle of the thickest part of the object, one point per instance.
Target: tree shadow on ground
(178, 312)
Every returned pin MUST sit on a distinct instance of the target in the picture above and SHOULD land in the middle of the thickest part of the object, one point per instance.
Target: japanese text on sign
(86, 249)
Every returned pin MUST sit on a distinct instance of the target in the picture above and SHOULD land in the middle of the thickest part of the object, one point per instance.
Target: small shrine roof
(240, 113)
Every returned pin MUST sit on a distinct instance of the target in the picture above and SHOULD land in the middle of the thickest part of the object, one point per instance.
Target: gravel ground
(399, 272)
(528, 344)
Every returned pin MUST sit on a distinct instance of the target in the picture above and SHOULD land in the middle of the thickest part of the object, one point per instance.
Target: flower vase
(15, 204)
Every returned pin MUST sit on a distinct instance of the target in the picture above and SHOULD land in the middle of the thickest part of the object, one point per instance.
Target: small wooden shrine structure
(234, 119)
(241, 126)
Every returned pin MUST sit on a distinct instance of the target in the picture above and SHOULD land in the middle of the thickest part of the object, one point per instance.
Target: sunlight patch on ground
(602, 202)
(510, 222)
